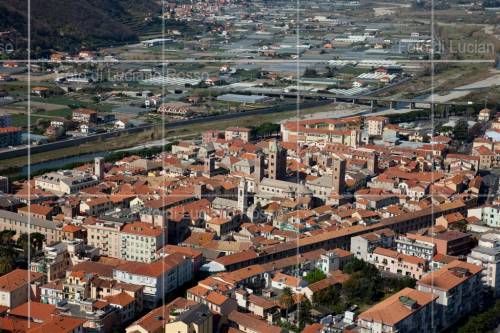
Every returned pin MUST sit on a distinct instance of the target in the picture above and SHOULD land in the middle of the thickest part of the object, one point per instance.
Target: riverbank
(126, 142)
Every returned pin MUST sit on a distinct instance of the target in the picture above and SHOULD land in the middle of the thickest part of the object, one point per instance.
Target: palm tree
(37, 240)
(22, 242)
(7, 263)
(6, 236)
(286, 299)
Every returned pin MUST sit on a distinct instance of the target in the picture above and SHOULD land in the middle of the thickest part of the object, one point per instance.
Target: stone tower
(338, 176)
(209, 166)
(99, 167)
(372, 164)
(242, 196)
(277, 161)
(259, 168)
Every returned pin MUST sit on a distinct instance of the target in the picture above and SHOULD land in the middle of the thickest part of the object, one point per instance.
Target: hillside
(73, 25)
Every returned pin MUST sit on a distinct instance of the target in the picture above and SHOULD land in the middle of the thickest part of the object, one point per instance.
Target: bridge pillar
(394, 105)
(354, 101)
(413, 105)
(373, 105)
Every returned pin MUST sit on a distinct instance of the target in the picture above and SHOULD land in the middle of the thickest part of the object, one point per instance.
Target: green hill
(69, 25)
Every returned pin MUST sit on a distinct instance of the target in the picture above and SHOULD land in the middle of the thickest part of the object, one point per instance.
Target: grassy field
(127, 141)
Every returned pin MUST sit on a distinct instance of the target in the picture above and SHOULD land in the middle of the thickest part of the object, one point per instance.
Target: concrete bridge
(372, 101)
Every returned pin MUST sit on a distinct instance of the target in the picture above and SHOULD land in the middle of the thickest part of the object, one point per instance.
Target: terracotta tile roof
(289, 280)
(155, 320)
(396, 255)
(36, 209)
(59, 324)
(253, 323)
(216, 298)
(236, 257)
(15, 325)
(91, 267)
(393, 309)
(336, 277)
(261, 301)
(188, 251)
(122, 299)
(153, 269)
(142, 229)
(450, 275)
(35, 310)
(18, 278)
(313, 328)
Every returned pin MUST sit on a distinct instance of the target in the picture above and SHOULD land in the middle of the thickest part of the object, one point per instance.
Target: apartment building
(223, 225)
(85, 116)
(416, 248)
(342, 130)
(197, 319)
(105, 235)
(457, 286)
(487, 255)
(95, 206)
(55, 261)
(158, 278)
(241, 133)
(15, 287)
(65, 182)
(490, 215)
(397, 263)
(52, 230)
(375, 125)
(139, 241)
(363, 245)
(448, 242)
(408, 310)
(338, 238)
(37, 211)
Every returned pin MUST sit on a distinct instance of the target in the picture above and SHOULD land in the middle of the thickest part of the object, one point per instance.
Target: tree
(310, 72)
(22, 242)
(6, 264)
(304, 313)
(286, 299)
(6, 236)
(35, 243)
(314, 276)
(461, 130)
(37, 240)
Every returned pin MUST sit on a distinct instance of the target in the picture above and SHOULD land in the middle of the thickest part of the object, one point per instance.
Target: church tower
(372, 164)
(209, 166)
(99, 167)
(242, 196)
(259, 168)
(338, 176)
(277, 161)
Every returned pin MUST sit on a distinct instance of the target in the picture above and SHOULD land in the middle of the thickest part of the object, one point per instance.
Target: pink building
(397, 263)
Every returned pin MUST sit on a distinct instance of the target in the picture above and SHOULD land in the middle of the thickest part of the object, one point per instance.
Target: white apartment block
(458, 286)
(490, 215)
(487, 255)
(65, 182)
(158, 278)
(415, 248)
(139, 241)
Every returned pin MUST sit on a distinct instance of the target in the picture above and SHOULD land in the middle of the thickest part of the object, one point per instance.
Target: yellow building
(198, 319)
